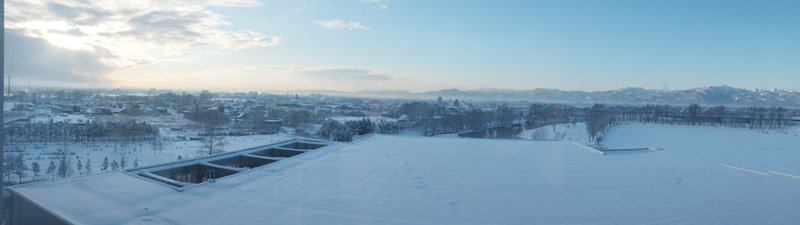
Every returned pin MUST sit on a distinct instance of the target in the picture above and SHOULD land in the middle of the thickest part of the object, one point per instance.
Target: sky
(415, 45)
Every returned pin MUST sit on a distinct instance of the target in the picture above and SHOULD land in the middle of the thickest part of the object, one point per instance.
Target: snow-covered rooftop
(416, 180)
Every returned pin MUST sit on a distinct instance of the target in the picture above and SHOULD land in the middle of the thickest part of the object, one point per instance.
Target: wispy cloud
(340, 24)
(137, 32)
(381, 4)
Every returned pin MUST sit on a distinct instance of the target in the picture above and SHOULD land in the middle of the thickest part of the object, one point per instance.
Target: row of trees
(598, 120)
(81, 132)
(212, 117)
(474, 119)
(436, 119)
(751, 117)
(388, 127)
(338, 131)
(15, 165)
(114, 165)
(61, 168)
(537, 115)
(548, 114)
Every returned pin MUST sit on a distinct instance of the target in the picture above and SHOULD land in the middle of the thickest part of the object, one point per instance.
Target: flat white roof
(416, 180)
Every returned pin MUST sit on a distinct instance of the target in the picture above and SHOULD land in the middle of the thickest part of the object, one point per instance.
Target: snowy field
(423, 180)
(572, 132)
(760, 150)
(142, 152)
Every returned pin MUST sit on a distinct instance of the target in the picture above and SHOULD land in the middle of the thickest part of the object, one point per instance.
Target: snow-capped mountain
(712, 95)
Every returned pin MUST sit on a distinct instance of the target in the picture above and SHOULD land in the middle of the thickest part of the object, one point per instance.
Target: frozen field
(422, 180)
(760, 150)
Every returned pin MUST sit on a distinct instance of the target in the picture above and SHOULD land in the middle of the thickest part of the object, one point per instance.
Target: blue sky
(424, 45)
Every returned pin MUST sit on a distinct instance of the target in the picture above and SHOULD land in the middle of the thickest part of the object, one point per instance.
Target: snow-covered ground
(761, 150)
(572, 132)
(43, 153)
(424, 180)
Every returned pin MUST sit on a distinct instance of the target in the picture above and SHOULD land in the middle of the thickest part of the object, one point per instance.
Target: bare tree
(157, 144)
(693, 112)
(65, 165)
(212, 143)
(598, 120)
(505, 115)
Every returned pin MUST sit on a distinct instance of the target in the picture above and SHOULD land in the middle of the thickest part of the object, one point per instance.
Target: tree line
(756, 117)
(599, 119)
(338, 131)
(81, 132)
(64, 166)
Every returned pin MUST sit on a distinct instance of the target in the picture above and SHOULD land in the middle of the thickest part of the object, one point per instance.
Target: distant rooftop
(417, 180)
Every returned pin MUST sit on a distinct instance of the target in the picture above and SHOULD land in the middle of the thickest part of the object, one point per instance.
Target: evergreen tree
(20, 168)
(51, 169)
(104, 166)
(88, 166)
(180, 158)
(360, 127)
(328, 126)
(386, 127)
(342, 133)
(80, 167)
(36, 169)
(123, 162)
(114, 165)
(337, 131)
(63, 167)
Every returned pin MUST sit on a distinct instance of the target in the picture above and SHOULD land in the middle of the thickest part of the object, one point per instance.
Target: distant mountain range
(709, 96)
